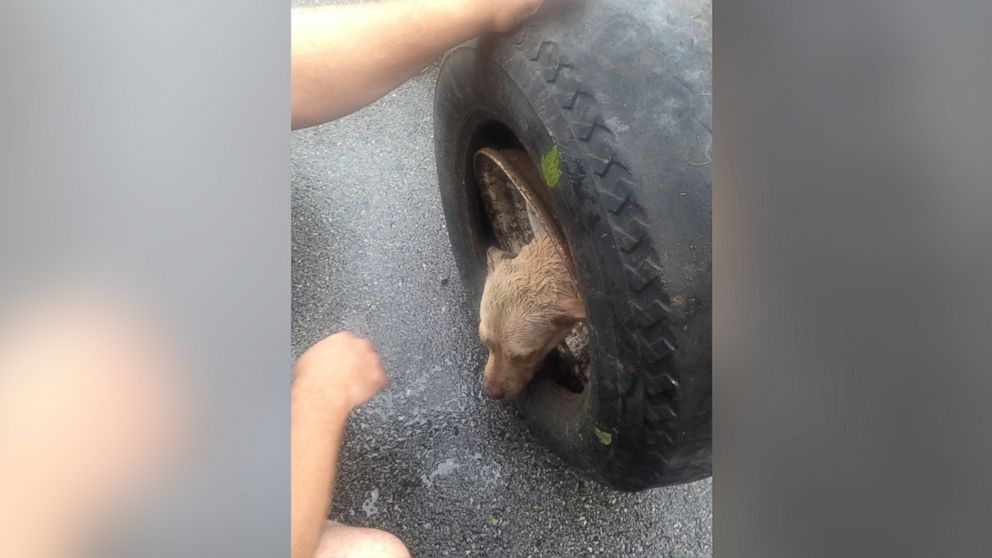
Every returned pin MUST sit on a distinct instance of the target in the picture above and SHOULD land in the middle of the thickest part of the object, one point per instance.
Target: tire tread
(649, 451)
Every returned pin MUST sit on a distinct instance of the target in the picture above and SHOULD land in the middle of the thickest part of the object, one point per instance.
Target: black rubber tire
(622, 89)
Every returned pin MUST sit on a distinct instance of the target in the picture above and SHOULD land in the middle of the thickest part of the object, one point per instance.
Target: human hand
(504, 15)
(341, 370)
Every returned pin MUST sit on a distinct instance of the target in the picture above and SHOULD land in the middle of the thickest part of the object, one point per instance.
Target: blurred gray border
(853, 260)
(148, 143)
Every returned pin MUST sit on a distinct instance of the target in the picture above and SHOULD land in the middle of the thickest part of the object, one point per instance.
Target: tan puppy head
(529, 304)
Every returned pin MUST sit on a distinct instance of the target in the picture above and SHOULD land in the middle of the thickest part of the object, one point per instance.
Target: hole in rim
(560, 373)
(565, 367)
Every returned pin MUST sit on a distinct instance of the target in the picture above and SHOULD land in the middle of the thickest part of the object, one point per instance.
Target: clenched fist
(341, 371)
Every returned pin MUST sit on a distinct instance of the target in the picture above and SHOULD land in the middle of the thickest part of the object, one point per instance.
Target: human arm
(330, 379)
(345, 57)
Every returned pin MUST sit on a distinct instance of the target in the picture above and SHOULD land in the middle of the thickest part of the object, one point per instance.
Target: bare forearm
(335, 375)
(315, 438)
(345, 57)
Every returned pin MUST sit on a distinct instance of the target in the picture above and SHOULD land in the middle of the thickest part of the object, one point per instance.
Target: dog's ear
(569, 311)
(493, 256)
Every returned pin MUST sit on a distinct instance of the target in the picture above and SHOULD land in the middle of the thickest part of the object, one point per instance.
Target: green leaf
(494, 521)
(551, 167)
(604, 438)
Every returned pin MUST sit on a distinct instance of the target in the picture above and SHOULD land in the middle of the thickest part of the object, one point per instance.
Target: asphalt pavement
(429, 458)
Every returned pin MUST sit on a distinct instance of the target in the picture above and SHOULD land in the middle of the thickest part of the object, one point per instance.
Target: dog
(529, 304)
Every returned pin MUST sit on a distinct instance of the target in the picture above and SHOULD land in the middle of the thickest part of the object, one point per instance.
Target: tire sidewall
(503, 88)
